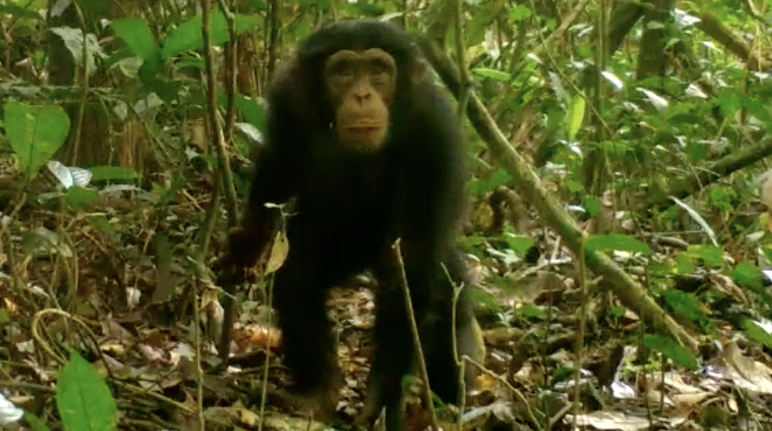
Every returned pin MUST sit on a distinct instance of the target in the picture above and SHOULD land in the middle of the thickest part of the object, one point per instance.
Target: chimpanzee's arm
(435, 180)
(274, 178)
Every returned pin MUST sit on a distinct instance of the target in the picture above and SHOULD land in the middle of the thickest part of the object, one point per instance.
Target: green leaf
(136, 34)
(107, 173)
(754, 331)
(684, 263)
(188, 35)
(15, 10)
(117, 56)
(671, 350)
(712, 256)
(532, 311)
(729, 103)
(591, 204)
(519, 13)
(35, 133)
(492, 74)
(687, 305)
(34, 422)
(83, 398)
(518, 243)
(80, 198)
(574, 117)
(619, 242)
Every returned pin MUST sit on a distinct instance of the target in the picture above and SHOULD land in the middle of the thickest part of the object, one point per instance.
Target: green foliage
(35, 133)
(689, 307)
(136, 34)
(574, 117)
(187, 36)
(671, 350)
(83, 398)
(757, 332)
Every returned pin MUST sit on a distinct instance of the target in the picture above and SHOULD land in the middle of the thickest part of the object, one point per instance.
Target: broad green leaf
(520, 244)
(15, 10)
(671, 350)
(591, 204)
(492, 74)
(618, 242)
(35, 133)
(80, 198)
(83, 398)
(574, 117)
(729, 103)
(188, 35)
(136, 34)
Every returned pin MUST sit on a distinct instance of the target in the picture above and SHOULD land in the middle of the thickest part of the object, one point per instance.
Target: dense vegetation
(619, 220)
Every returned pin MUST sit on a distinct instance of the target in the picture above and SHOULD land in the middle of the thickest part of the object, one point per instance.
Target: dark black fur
(351, 207)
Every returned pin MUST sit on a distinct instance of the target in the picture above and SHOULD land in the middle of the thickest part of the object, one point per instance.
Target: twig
(427, 393)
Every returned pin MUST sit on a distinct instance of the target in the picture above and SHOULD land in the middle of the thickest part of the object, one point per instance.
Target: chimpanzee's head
(357, 73)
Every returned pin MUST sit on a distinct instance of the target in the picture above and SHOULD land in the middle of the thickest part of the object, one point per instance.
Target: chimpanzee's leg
(394, 354)
(432, 297)
(438, 342)
(300, 295)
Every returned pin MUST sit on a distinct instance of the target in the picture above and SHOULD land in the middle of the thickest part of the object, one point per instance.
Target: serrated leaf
(83, 398)
(618, 242)
(35, 133)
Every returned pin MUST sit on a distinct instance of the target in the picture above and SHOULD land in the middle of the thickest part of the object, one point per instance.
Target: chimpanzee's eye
(343, 73)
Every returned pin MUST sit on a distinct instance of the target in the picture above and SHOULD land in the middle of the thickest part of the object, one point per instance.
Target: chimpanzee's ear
(420, 65)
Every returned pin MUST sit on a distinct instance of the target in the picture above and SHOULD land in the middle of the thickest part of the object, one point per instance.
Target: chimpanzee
(371, 151)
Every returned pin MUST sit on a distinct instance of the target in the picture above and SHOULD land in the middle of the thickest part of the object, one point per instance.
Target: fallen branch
(528, 185)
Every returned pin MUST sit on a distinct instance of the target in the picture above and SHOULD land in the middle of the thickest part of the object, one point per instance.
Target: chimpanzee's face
(361, 86)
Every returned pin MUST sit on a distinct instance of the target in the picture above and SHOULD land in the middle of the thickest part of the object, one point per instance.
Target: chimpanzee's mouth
(364, 129)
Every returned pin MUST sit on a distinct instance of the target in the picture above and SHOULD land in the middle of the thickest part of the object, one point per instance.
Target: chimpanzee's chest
(349, 196)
